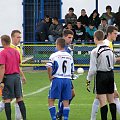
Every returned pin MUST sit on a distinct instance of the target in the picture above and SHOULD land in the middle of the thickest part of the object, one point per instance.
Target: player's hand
(23, 80)
(2, 85)
(88, 85)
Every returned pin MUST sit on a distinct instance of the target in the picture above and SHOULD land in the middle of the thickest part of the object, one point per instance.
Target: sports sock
(22, 109)
(52, 112)
(8, 111)
(66, 112)
(104, 111)
(95, 107)
(2, 106)
(18, 115)
(117, 102)
(113, 110)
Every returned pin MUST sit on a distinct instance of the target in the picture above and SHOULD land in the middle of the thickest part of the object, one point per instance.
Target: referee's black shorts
(105, 82)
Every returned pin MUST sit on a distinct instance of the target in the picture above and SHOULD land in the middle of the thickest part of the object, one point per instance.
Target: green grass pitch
(37, 106)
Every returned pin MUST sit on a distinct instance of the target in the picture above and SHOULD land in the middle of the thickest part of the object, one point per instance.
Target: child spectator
(90, 32)
(71, 17)
(83, 18)
(94, 18)
(109, 15)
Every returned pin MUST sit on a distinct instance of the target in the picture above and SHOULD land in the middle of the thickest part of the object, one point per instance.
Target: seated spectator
(109, 15)
(71, 17)
(90, 32)
(103, 26)
(69, 26)
(42, 29)
(55, 30)
(79, 32)
(83, 18)
(94, 18)
(117, 19)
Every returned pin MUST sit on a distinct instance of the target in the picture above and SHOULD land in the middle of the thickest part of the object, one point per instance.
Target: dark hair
(104, 19)
(99, 34)
(92, 24)
(6, 39)
(46, 16)
(109, 7)
(83, 10)
(111, 28)
(61, 42)
(55, 18)
(72, 9)
(15, 31)
(66, 32)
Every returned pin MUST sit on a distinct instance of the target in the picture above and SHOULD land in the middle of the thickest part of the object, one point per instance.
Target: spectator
(71, 17)
(83, 18)
(90, 31)
(94, 18)
(55, 30)
(117, 19)
(79, 32)
(108, 15)
(103, 26)
(42, 29)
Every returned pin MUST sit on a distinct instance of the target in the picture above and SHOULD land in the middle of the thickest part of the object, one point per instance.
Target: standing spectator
(84, 18)
(117, 19)
(102, 61)
(55, 30)
(103, 26)
(71, 17)
(60, 68)
(9, 68)
(90, 31)
(42, 29)
(109, 15)
(94, 18)
(79, 32)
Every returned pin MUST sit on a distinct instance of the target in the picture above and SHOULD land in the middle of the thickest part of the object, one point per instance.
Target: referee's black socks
(113, 110)
(104, 111)
(22, 109)
(8, 111)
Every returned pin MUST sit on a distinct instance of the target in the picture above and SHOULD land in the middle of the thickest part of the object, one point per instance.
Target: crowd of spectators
(83, 26)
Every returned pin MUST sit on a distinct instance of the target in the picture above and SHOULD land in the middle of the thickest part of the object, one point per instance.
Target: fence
(38, 54)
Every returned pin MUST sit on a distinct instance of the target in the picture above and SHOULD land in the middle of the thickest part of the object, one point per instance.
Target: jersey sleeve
(93, 66)
(50, 62)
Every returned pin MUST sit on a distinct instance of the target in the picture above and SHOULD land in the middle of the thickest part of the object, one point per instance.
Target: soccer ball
(80, 70)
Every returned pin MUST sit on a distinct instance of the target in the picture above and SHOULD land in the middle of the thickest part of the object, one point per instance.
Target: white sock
(95, 106)
(117, 102)
(2, 106)
(18, 115)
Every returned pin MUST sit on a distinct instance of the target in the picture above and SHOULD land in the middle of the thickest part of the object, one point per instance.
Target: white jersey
(62, 64)
(108, 43)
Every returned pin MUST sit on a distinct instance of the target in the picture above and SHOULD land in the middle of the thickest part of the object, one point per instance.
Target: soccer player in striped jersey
(111, 36)
(60, 68)
(68, 36)
(102, 61)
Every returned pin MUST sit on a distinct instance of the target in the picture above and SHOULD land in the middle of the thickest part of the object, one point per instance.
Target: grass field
(37, 106)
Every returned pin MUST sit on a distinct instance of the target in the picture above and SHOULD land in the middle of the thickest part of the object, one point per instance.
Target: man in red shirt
(9, 69)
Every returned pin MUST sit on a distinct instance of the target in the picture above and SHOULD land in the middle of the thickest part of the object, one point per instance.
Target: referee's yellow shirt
(16, 47)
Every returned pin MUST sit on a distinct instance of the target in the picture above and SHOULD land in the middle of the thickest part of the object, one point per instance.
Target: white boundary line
(29, 94)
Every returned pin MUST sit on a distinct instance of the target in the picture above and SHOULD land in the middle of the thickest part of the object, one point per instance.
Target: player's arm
(49, 69)
(23, 76)
(92, 69)
(2, 71)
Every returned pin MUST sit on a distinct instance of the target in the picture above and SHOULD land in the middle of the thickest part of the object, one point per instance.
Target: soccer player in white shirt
(111, 36)
(60, 68)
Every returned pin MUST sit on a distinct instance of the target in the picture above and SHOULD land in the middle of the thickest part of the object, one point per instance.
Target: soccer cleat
(58, 117)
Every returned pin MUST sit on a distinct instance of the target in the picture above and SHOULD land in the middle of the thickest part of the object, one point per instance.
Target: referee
(9, 68)
(101, 64)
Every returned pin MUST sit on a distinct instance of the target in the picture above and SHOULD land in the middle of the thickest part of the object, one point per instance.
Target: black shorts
(12, 87)
(72, 87)
(105, 82)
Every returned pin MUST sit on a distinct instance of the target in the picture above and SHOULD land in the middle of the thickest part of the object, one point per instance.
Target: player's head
(112, 33)
(68, 36)
(98, 36)
(5, 40)
(16, 37)
(60, 43)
